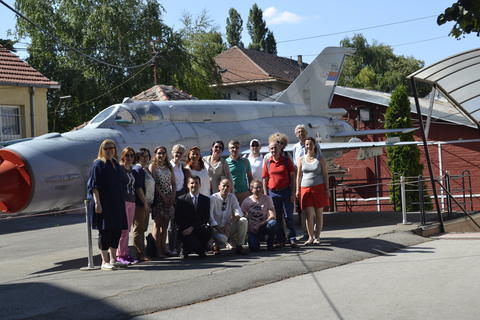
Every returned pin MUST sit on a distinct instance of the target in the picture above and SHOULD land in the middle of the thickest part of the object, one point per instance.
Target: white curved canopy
(458, 78)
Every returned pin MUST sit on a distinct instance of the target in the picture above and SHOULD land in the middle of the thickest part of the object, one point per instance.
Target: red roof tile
(162, 93)
(14, 71)
(243, 65)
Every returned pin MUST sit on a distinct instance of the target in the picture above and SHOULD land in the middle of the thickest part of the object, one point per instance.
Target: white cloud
(273, 16)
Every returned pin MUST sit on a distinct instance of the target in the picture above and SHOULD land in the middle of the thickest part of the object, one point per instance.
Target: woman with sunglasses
(197, 168)
(217, 166)
(164, 199)
(105, 192)
(126, 162)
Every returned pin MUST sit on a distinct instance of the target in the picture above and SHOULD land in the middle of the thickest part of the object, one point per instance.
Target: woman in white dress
(197, 168)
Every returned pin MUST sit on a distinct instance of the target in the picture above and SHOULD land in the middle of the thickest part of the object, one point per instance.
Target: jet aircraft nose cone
(15, 182)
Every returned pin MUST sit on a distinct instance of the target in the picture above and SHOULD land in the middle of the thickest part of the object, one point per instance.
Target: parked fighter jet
(50, 171)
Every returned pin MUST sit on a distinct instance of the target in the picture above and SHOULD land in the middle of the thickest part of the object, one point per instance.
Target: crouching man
(226, 218)
(192, 214)
(262, 222)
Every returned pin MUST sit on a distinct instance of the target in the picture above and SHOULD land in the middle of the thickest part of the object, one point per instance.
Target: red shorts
(315, 196)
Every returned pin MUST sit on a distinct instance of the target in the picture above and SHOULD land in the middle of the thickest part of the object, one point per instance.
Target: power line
(359, 29)
(393, 46)
(75, 49)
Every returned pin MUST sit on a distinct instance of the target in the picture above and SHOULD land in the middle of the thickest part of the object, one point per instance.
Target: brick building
(365, 110)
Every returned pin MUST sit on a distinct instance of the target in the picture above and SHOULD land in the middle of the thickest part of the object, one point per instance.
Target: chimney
(300, 62)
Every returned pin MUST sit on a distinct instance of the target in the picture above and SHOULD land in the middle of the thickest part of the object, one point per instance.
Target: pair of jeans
(269, 229)
(284, 210)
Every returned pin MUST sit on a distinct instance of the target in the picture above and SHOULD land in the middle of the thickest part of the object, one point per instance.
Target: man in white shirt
(227, 220)
(299, 148)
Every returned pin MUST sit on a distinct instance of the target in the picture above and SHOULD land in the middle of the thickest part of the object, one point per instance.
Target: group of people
(205, 203)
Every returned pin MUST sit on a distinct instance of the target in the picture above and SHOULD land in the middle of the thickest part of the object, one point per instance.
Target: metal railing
(456, 194)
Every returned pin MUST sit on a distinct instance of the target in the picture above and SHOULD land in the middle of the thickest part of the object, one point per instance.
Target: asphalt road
(41, 257)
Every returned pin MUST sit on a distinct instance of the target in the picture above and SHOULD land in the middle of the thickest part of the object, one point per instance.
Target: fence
(456, 195)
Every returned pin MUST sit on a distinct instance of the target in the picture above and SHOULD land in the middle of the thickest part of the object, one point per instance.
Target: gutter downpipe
(32, 111)
(427, 155)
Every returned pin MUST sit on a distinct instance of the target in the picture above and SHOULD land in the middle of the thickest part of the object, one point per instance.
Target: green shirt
(238, 170)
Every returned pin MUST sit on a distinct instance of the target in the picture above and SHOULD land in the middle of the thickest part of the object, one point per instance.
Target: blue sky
(309, 18)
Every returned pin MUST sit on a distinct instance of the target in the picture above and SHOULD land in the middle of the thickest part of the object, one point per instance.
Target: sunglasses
(160, 152)
(256, 145)
(224, 205)
(108, 148)
(218, 147)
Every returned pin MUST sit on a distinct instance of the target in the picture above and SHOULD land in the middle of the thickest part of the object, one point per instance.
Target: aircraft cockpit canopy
(147, 111)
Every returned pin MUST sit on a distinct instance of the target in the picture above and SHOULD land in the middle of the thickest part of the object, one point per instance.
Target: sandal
(309, 242)
(316, 241)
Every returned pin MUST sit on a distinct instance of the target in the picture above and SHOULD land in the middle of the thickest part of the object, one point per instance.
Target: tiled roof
(244, 65)
(162, 93)
(14, 71)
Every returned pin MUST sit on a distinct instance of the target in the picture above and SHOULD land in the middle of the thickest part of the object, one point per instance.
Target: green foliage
(465, 14)
(202, 42)
(403, 160)
(262, 38)
(256, 27)
(376, 67)
(8, 44)
(122, 33)
(270, 43)
(234, 28)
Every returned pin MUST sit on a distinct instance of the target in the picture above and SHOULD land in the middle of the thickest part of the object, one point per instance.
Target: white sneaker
(108, 267)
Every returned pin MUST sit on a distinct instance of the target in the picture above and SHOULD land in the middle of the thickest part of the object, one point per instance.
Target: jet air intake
(15, 182)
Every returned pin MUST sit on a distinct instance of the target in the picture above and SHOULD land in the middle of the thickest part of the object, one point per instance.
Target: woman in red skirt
(312, 189)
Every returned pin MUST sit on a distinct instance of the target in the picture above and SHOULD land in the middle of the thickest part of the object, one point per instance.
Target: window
(10, 123)
(124, 116)
(227, 96)
(252, 95)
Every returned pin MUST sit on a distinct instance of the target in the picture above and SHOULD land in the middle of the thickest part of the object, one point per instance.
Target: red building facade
(460, 159)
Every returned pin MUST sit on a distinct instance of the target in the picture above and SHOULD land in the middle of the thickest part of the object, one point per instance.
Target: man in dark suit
(192, 213)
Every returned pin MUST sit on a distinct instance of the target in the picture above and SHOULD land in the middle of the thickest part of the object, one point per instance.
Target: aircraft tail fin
(314, 86)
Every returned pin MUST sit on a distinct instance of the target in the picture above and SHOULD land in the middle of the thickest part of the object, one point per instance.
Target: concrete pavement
(40, 276)
(433, 280)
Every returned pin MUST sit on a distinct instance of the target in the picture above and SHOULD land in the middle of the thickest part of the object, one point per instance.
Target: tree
(202, 42)
(119, 32)
(270, 43)
(465, 14)
(257, 29)
(376, 67)
(403, 160)
(8, 44)
(234, 28)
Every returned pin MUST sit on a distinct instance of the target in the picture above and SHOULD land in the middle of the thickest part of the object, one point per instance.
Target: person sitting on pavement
(240, 171)
(260, 211)
(227, 220)
(279, 183)
(192, 214)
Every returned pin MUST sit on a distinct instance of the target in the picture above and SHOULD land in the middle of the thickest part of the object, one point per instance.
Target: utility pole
(154, 63)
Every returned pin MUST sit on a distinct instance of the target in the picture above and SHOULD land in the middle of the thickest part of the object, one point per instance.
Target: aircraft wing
(356, 133)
